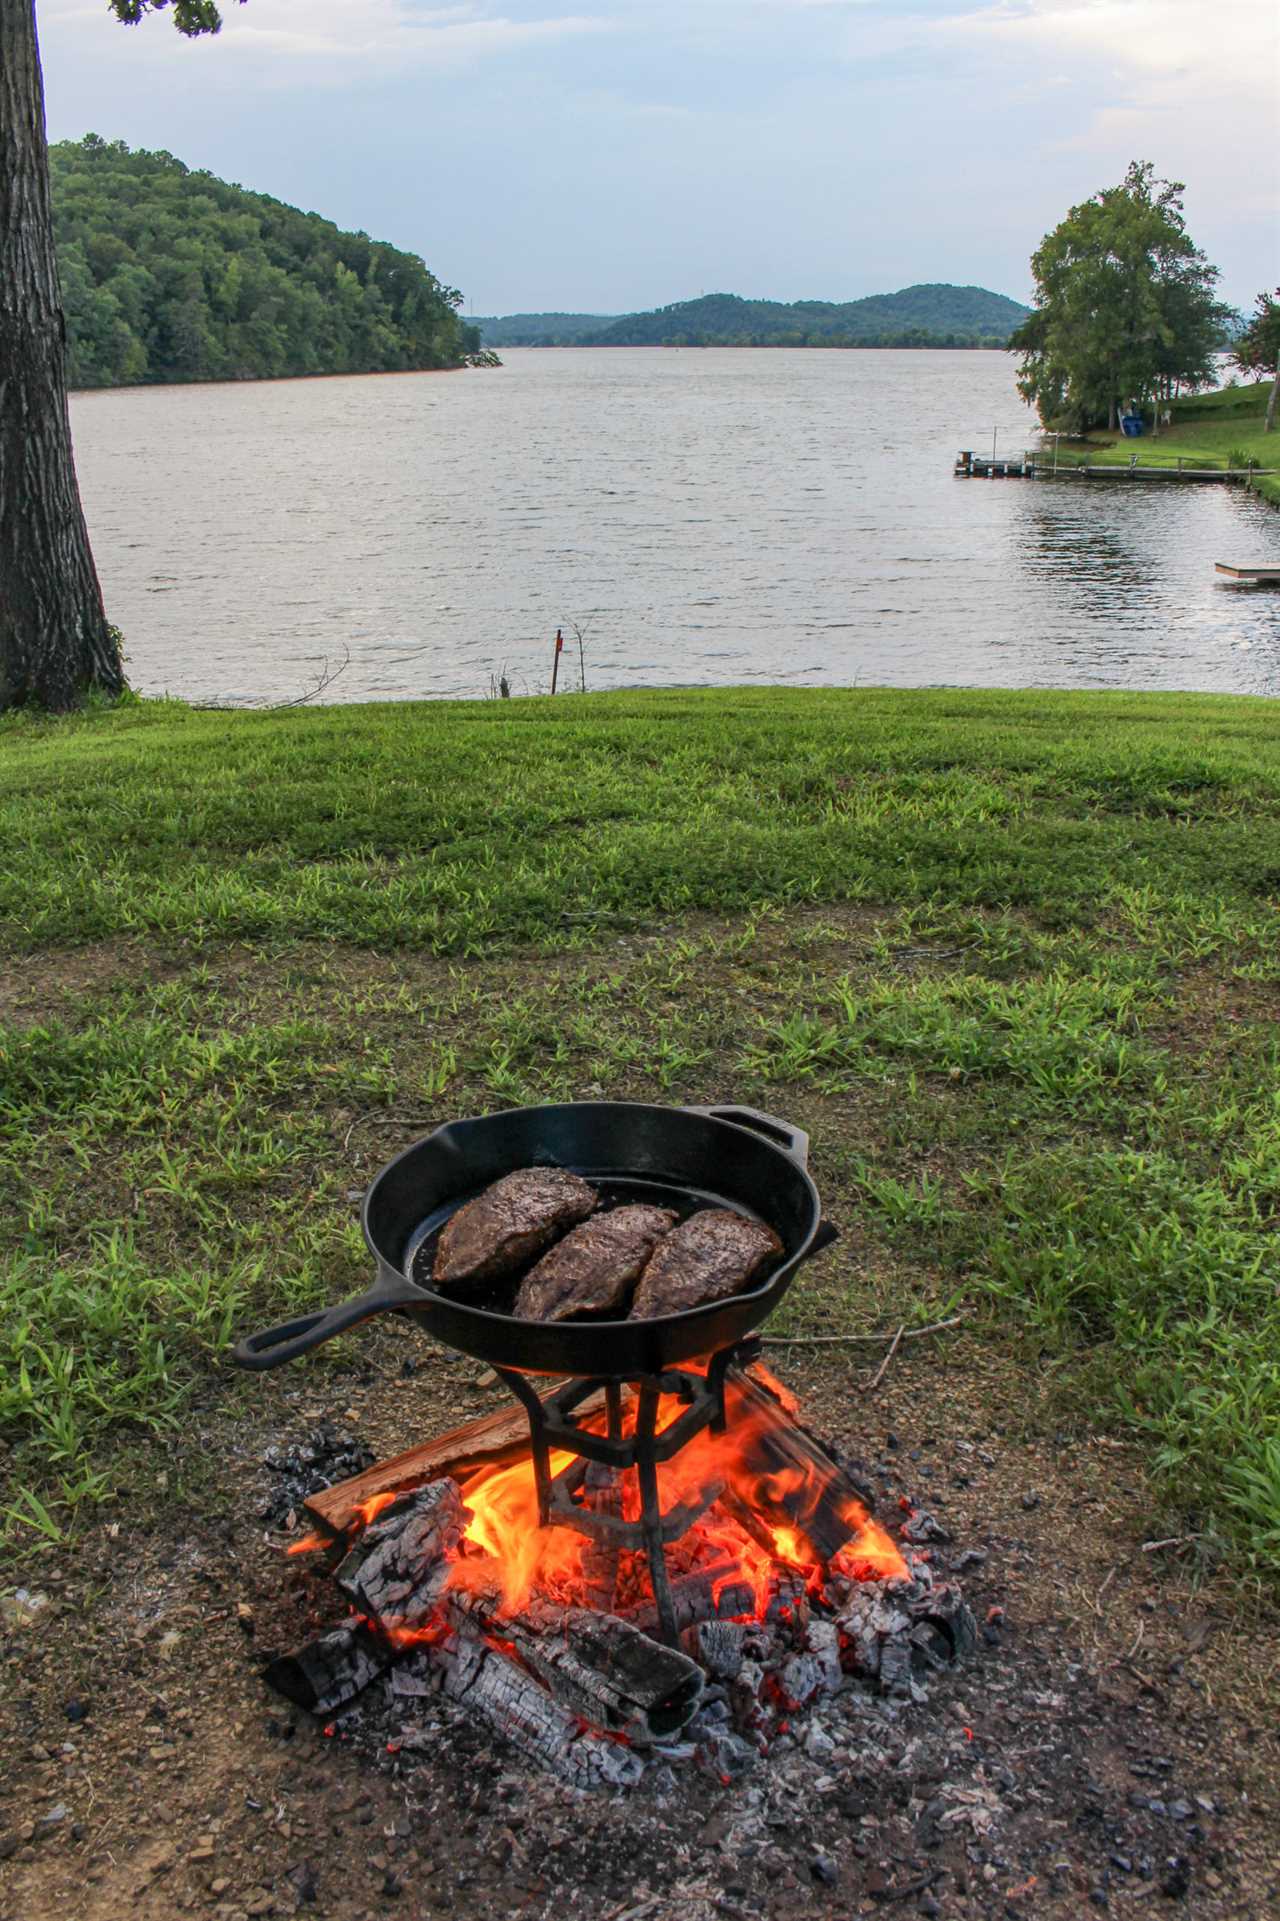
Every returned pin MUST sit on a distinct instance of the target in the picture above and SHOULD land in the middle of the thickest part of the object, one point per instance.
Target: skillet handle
(275, 1345)
(793, 1142)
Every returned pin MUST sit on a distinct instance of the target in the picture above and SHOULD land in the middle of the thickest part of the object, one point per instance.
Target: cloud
(352, 37)
(1184, 40)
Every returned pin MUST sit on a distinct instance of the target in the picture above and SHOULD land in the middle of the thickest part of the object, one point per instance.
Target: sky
(609, 155)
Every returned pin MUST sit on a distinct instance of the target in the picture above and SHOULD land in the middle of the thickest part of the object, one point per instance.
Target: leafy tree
(173, 275)
(1125, 307)
(1257, 350)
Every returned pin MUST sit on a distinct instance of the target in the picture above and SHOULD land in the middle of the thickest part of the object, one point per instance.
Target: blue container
(1131, 425)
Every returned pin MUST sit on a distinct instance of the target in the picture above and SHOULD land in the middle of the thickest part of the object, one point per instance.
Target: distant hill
(171, 275)
(541, 329)
(934, 315)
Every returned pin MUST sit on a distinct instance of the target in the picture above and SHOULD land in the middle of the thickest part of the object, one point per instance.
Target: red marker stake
(555, 663)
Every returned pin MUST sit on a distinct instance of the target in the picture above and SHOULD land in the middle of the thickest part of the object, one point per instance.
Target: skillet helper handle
(276, 1345)
(792, 1140)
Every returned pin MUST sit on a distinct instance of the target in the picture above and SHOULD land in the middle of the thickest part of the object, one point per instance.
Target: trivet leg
(651, 1512)
(527, 1395)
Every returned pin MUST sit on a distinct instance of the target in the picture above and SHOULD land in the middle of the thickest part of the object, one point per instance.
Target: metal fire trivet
(552, 1424)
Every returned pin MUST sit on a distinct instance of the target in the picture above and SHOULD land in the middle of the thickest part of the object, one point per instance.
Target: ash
(323, 1456)
(806, 1735)
(821, 1686)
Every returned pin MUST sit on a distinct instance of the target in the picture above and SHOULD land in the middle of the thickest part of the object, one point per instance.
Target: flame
(360, 1518)
(768, 1523)
(512, 1551)
(310, 1544)
(787, 1401)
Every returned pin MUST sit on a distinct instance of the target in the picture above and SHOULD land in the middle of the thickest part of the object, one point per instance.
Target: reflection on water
(706, 516)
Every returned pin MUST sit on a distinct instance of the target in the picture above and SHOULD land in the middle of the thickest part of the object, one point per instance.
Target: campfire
(776, 1586)
(656, 1559)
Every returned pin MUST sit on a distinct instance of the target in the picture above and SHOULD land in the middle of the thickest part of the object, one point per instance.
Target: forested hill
(541, 329)
(170, 275)
(936, 315)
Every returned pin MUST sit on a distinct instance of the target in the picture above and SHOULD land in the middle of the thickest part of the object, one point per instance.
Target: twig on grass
(883, 1368)
(372, 1119)
(1174, 1540)
(902, 1333)
(325, 678)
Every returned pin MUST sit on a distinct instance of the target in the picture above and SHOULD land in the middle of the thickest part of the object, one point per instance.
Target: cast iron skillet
(682, 1157)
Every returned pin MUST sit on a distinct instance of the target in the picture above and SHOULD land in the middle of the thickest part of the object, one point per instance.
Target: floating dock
(1256, 576)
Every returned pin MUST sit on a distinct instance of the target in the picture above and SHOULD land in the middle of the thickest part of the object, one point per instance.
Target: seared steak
(594, 1265)
(508, 1224)
(711, 1255)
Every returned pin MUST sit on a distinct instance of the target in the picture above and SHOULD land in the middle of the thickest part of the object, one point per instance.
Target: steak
(711, 1255)
(509, 1224)
(593, 1267)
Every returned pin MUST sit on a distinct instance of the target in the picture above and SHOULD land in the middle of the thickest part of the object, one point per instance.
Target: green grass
(455, 827)
(1223, 429)
(1012, 958)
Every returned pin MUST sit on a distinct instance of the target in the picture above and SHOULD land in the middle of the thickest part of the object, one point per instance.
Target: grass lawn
(1223, 429)
(1011, 957)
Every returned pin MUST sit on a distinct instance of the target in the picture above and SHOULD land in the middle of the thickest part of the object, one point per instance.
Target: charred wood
(694, 1598)
(326, 1674)
(517, 1705)
(723, 1648)
(596, 1665)
(896, 1628)
(397, 1570)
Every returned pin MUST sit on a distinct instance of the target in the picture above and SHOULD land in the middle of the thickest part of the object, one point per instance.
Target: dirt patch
(1112, 1745)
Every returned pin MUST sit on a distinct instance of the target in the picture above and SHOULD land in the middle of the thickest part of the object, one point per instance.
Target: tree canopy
(170, 275)
(1257, 348)
(1125, 307)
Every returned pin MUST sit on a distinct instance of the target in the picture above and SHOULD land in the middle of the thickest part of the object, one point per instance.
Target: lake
(705, 516)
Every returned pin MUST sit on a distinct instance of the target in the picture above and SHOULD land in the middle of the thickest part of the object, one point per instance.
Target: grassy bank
(1223, 429)
(1011, 957)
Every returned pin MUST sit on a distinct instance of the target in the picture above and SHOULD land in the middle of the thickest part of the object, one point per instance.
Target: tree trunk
(1271, 406)
(55, 643)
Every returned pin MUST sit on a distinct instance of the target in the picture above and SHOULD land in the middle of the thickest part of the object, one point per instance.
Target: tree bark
(55, 643)
(1271, 405)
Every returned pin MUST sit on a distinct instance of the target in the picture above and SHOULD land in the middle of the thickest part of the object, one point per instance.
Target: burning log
(596, 1665)
(326, 1674)
(788, 1478)
(396, 1572)
(519, 1707)
(786, 1599)
(694, 1598)
(602, 1494)
(495, 1440)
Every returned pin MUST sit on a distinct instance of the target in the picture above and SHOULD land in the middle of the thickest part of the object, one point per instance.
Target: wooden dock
(1096, 471)
(970, 466)
(1257, 576)
(1040, 466)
